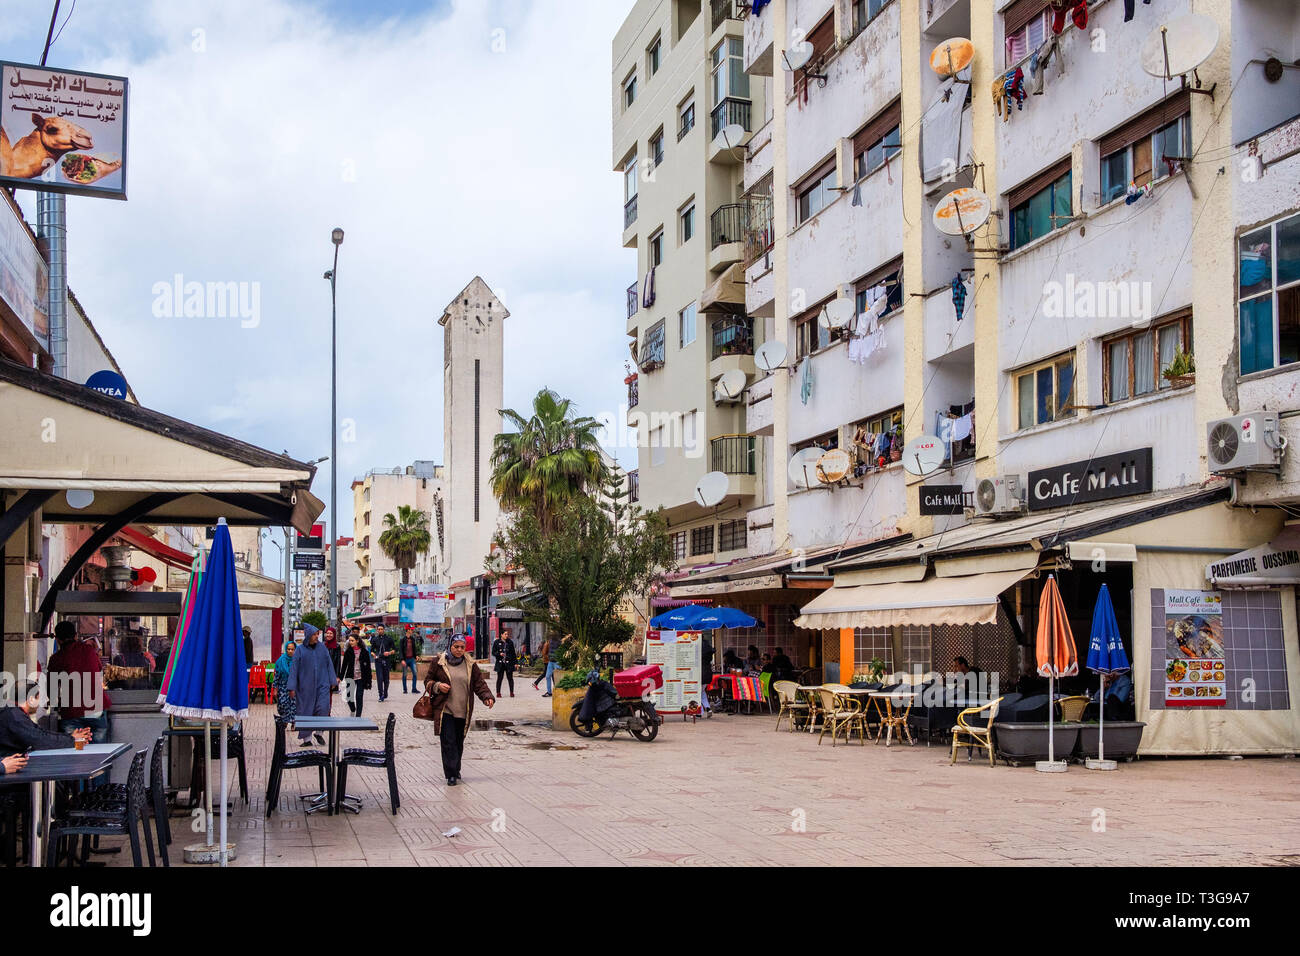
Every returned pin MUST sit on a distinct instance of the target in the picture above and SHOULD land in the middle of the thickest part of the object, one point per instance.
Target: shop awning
(766, 572)
(1271, 565)
(972, 599)
(726, 294)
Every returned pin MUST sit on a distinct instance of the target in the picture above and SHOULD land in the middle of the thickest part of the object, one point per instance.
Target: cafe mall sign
(1275, 564)
(1096, 479)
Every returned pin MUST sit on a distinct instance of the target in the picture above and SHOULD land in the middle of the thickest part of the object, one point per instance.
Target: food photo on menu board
(1195, 661)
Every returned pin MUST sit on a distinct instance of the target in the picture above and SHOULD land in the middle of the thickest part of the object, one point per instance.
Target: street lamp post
(337, 238)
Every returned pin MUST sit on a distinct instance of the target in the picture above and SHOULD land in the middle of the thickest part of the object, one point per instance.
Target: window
(629, 90)
(629, 180)
(865, 432)
(686, 322)
(875, 155)
(816, 193)
(652, 55)
(687, 219)
(811, 336)
(686, 117)
(1043, 393)
(702, 540)
(652, 347)
(864, 11)
(1024, 25)
(1268, 307)
(679, 545)
(891, 276)
(727, 63)
(657, 148)
(691, 431)
(656, 249)
(822, 38)
(1041, 205)
(1133, 362)
(1136, 152)
(733, 535)
(657, 446)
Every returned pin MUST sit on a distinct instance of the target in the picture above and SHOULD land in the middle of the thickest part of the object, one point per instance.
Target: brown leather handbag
(423, 709)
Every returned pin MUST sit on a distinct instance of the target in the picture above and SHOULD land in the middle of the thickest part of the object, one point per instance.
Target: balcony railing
(733, 454)
(733, 335)
(730, 111)
(633, 393)
(629, 212)
(652, 353)
(633, 300)
(723, 10)
(727, 224)
(633, 487)
(759, 232)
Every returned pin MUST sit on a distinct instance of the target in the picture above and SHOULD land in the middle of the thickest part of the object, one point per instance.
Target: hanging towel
(941, 129)
(962, 427)
(648, 292)
(943, 428)
(1047, 50)
(806, 380)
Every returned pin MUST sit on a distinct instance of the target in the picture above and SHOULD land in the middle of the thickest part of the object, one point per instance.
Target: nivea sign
(108, 382)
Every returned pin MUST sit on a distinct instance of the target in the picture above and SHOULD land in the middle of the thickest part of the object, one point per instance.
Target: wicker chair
(1072, 708)
(787, 693)
(976, 735)
(379, 759)
(839, 713)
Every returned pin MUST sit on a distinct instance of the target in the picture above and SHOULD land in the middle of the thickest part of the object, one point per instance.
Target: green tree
(594, 554)
(547, 460)
(405, 537)
(316, 619)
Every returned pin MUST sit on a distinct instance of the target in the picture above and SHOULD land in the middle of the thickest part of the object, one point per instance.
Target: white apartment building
(1131, 218)
(381, 492)
(680, 94)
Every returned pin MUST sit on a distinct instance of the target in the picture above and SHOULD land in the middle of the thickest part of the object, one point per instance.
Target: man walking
(383, 652)
(503, 652)
(453, 681)
(410, 647)
(311, 680)
(77, 684)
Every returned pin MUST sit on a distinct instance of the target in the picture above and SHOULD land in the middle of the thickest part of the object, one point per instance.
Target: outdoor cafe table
(905, 699)
(46, 767)
(334, 726)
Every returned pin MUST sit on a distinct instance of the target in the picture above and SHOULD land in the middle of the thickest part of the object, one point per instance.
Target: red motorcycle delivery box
(634, 681)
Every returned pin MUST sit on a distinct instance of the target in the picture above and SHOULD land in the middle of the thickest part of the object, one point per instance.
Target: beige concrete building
(381, 492)
(683, 109)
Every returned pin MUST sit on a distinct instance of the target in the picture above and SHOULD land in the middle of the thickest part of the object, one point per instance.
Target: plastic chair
(787, 694)
(378, 759)
(281, 761)
(119, 820)
(1072, 708)
(977, 736)
(257, 683)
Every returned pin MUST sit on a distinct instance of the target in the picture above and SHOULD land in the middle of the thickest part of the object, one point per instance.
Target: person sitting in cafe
(731, 661)
(77, 683)
(782, 666)
(19, 732)
(753, 662)
(1119, 697)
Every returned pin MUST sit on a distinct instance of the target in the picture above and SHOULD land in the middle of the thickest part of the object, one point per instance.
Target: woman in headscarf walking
(452, 682)
(285, 705)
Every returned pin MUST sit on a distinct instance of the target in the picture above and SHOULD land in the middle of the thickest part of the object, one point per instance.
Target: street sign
(309, 561)
(313, 542)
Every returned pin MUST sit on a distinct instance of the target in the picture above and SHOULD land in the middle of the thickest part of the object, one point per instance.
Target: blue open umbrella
(210, 680)
(713, 618)
(679, 618)
(1106, 656)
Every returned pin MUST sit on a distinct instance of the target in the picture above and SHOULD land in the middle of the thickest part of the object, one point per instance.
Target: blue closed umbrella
(1106, 656)
(210, 680)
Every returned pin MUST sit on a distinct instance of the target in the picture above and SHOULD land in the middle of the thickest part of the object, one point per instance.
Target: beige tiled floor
(730, 791)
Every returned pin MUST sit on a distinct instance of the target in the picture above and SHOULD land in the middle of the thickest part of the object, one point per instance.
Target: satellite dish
(962, 211)
(952, 56)
(1178, 47)
(833, 465)
(836, 314)
(797, 56)
(712, 488)
(923, 455)
(79, 498)
(729, 136)
(731, 384)
(770, 356)
(803, 467)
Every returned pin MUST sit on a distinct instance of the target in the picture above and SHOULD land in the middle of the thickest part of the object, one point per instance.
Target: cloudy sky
(449, 138)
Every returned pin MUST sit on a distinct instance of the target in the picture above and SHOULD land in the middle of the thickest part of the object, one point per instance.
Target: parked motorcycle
(622, 705)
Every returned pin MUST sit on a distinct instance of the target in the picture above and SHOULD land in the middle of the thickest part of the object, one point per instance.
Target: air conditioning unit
(996, 497)
(1250, 442)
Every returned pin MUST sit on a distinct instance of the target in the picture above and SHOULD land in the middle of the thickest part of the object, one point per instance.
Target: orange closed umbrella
(1056, 658)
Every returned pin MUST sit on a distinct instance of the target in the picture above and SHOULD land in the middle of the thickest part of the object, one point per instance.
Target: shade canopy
(972, 599)
(695, 617)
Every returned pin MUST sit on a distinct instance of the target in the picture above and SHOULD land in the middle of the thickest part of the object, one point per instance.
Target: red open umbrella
(1056, 658)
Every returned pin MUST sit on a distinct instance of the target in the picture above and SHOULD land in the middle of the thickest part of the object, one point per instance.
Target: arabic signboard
(1195, 660)
(1274, 564)
(422, 603)
(1095, 479)
(62, 130)
(944, 499)
(309, 561)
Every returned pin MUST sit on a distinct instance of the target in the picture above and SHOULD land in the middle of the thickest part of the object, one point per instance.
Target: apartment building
(683, 110)
(381, 492)
(1134, 222)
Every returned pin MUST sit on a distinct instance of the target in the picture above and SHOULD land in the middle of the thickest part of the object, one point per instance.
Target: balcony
(629, 213)
(633, 392)
(651, 355)
(732, 454)
(761, 407)
(722, 10)
(733, 335)
(726, 236)
(759, 231)
(633, 300)
(633, 487)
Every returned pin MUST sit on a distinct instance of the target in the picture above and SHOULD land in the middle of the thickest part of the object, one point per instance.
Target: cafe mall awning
(968, 599)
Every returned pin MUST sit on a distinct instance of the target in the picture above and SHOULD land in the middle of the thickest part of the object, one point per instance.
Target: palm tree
(548, 459)
(404, 538)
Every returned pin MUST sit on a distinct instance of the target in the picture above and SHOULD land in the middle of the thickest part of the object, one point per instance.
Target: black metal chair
(282, 760)
(12, 807)
(234, 751)
(377, 759)
(110, 796)
(116, 820)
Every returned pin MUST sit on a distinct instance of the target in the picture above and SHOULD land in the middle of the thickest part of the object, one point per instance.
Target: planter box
(1024, 743)
(562, 702)
(1122, 739)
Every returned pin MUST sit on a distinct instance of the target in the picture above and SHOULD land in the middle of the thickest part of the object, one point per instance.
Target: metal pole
(334, 433)
(225, 790)
(288, 573)
(52, 227)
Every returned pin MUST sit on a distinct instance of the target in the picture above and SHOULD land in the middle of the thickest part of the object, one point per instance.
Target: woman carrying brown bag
(452, 682)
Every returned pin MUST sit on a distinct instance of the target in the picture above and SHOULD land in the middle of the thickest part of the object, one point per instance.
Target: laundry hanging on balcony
(1077, 11)
(760, 4)
(648, 289)
(1128, 8)
(805, 379)
(1050, 48)
(959, 293)
(941, 128)
(1009, 88)
(1136, 192)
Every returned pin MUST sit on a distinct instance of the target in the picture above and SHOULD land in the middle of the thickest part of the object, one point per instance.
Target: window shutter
(1180, 104)
(1048, 176)
(1020, 13)
(878, 126)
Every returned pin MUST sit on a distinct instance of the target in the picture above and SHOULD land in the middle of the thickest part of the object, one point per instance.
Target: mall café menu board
(678, 653)
(1195, 662)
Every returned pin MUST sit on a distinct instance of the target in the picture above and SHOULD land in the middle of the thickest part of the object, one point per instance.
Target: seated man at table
(1119, 698)
(18, 730)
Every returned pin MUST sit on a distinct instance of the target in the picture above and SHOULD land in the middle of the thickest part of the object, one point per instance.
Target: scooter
(605, 708)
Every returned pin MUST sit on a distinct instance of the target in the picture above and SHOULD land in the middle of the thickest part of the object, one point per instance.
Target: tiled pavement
(730, 791)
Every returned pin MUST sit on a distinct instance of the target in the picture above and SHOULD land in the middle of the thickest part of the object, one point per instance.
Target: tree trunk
(406, 575)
